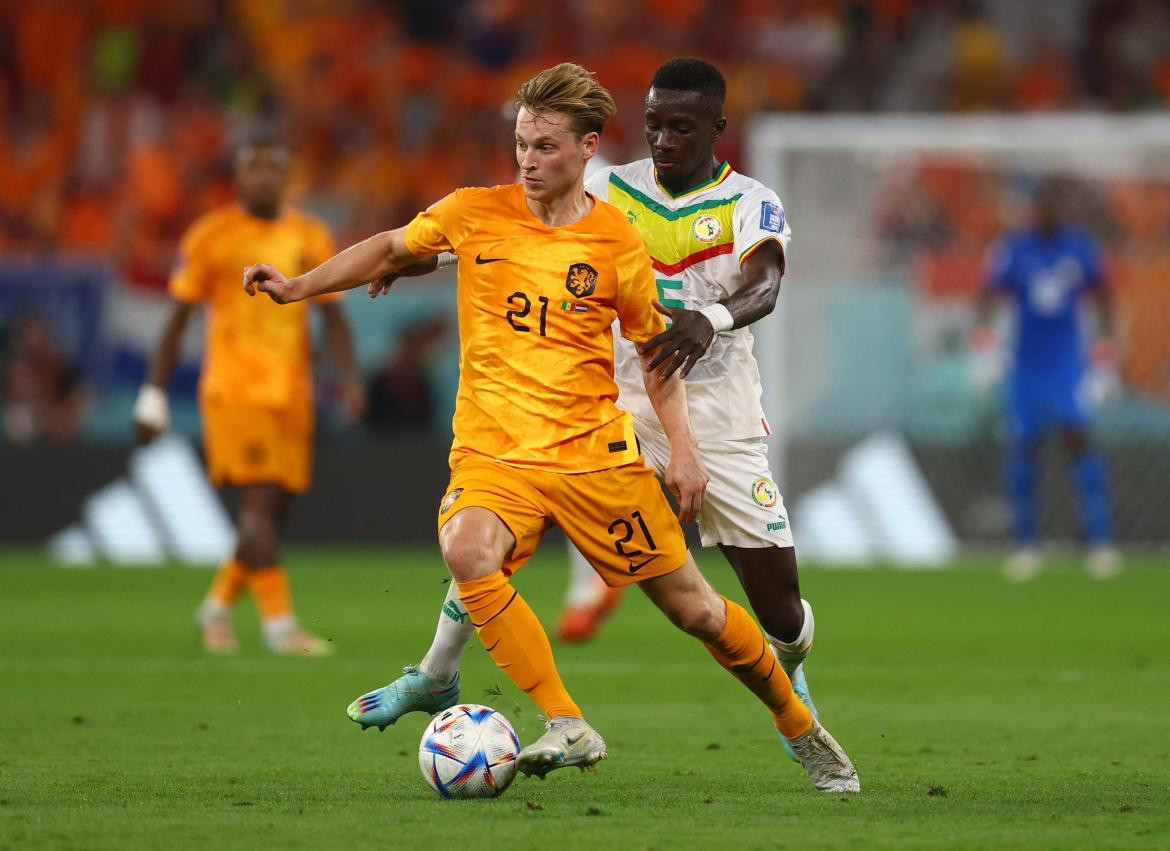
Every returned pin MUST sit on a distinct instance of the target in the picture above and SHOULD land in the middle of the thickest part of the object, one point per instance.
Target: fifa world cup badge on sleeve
(771, 217)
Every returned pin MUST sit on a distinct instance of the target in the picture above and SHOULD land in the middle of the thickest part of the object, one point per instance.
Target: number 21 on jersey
(521, 306)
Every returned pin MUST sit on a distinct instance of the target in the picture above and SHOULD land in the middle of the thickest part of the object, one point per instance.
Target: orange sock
(269, 586)
(230, 581)
(517, 642)
(742, 649)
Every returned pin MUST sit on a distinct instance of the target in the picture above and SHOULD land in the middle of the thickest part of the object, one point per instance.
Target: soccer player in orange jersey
(544, 269)
(255, 389)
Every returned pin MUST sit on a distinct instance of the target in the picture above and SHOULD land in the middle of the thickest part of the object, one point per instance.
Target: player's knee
(700, 615)
(257, 546)
(257, 553)
(468, 558)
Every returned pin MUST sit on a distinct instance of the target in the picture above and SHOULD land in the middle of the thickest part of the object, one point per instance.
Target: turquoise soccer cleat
(414, 691)
(800, 687)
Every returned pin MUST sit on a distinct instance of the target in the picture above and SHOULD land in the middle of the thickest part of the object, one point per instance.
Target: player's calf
(793, 653)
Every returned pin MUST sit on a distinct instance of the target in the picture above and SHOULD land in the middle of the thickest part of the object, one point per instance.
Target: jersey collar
(721, 174)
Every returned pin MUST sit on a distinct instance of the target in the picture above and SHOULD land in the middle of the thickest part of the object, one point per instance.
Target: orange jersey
(257, 352)
(536, 305)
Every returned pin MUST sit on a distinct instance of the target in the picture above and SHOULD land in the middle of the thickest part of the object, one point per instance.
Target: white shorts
(742, 506)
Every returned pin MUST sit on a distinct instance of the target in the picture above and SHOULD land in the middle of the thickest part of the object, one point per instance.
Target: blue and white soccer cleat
(800, 687)
(414, 691)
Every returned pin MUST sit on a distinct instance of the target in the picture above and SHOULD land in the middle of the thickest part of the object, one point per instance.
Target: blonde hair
(572, 91)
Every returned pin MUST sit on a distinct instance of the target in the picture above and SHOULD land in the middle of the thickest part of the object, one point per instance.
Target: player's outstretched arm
(686, 475)
(418, 269)
(380, 255)
(691, 331)
(151, 410)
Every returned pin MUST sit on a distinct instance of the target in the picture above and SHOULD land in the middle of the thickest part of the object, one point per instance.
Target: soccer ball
(469, 751)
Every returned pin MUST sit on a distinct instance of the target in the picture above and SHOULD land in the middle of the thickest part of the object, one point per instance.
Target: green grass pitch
(979, 715)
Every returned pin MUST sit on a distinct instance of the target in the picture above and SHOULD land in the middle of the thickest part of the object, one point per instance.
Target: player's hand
(682, 344)
(382, 285)
(1103, 383)
(151, 413)
(353, 397)
(265, 278)
(144, 434)
(985, 361)
(686, 476)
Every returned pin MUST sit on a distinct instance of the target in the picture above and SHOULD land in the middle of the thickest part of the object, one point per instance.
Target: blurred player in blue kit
(1046, 273)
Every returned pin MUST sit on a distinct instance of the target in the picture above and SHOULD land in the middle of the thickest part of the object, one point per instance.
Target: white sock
(452, 635)
(792, 653)
(586, 588)
(275, 629)
(212, 609)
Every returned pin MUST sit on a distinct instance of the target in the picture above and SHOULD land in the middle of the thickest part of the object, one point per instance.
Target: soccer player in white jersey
(716, 239)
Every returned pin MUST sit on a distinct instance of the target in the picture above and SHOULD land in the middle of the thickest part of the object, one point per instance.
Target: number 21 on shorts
(622, 531)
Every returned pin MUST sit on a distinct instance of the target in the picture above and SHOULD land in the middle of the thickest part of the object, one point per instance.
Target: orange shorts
(618, 518)
(249, 445)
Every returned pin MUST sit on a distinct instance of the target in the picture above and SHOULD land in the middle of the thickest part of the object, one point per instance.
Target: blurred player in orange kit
(255, 390)
(545, 269)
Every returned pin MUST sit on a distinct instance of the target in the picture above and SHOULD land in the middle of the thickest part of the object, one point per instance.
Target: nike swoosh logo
(634, 568)
(480, 259)
(572, 740)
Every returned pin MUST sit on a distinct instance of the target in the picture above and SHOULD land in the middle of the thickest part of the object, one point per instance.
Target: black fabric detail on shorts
(618, 446)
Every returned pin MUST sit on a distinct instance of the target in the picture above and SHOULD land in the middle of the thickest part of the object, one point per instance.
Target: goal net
(892, 218)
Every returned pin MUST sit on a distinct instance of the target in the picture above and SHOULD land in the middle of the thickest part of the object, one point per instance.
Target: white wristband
(152, 409)
(447, 258)
(719, 317)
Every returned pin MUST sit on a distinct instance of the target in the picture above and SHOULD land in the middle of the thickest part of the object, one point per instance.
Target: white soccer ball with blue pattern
(469, 751)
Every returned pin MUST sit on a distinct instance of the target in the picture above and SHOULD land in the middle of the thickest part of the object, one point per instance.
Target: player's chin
(537, 190)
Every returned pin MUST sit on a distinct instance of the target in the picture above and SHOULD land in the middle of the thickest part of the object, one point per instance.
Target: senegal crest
(764, 493)
(706, 229)
(581, 280)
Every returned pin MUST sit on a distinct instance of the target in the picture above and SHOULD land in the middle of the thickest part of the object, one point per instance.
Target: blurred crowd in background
(118, 117)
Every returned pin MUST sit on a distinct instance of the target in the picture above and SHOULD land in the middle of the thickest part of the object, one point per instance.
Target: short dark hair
(689, 74)
(265, 135)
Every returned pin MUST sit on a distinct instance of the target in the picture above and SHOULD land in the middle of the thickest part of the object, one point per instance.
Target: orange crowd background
(117, 117)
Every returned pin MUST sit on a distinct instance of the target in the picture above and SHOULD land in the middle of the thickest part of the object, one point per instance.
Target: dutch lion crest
(581, 280)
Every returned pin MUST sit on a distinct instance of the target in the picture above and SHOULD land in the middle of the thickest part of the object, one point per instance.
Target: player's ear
(720, 126)
(590, 142)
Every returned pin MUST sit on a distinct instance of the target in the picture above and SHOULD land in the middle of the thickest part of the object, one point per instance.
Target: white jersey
(696, 243)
